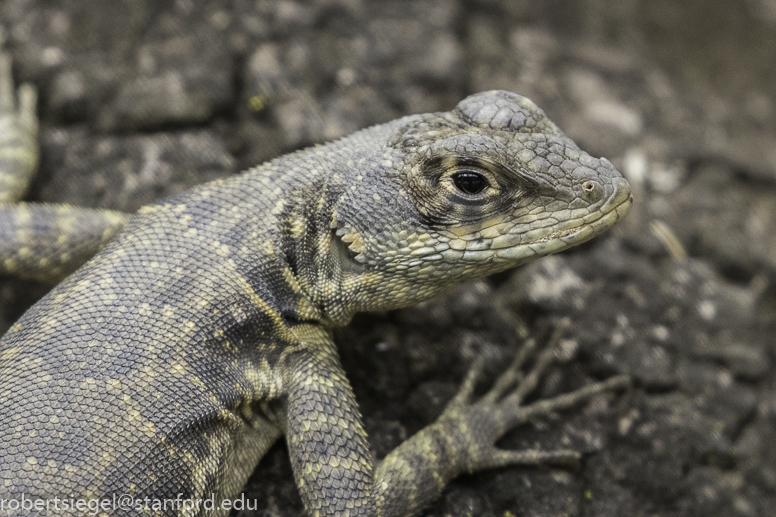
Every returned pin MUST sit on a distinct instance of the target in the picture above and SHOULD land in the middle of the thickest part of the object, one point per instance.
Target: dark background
(143, 98)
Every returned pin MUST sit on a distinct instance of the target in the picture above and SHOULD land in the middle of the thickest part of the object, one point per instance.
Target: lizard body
(172, 360)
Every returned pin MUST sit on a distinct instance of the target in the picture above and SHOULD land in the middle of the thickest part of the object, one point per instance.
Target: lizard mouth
(573, 232)
(616, 207)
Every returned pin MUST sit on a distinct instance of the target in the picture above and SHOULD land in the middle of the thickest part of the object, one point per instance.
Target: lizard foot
(18, 133)
(38, 241)
(483, 422)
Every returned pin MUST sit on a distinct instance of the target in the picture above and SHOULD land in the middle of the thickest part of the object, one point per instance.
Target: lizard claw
(500, 458)
(6, 84)
(463, 397)
(502, 409)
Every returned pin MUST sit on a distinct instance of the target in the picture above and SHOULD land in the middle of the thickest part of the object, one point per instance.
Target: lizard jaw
(573, 233)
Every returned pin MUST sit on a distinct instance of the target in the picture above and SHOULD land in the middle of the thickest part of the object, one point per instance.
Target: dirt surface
(143, 98)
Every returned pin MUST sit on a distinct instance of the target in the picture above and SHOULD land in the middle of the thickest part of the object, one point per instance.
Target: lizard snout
(621, 198)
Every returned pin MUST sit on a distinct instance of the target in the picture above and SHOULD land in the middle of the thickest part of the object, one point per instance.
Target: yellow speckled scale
(165, 367)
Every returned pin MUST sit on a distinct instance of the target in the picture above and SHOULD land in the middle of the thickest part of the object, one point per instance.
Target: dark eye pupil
(469, 182)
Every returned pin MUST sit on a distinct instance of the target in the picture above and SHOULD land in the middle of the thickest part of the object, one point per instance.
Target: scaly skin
(172, 361)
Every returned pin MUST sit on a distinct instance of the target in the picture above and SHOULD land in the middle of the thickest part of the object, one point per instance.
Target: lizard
(169, 363)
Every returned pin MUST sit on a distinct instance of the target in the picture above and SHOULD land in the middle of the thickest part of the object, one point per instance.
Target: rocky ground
(143, 98)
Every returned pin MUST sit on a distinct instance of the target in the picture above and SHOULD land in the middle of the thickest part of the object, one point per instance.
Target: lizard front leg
(329, 451)
(39, 241)
(462, 439)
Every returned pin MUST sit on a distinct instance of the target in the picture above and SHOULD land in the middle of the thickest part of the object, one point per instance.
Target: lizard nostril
(592, 191)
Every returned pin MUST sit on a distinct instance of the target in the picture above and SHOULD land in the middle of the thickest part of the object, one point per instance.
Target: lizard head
(458, 195)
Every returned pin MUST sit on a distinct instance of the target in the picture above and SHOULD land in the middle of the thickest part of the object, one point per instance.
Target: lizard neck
(329, 204)
(321, 266)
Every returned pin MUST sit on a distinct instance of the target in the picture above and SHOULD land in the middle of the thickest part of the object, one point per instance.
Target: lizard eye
(470, 182)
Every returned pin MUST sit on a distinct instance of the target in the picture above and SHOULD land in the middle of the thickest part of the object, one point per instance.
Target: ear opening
(347, 258)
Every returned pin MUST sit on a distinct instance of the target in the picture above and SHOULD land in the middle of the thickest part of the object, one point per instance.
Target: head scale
(462, 194)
